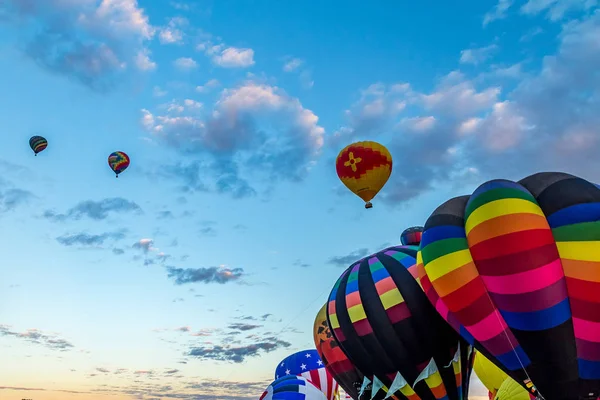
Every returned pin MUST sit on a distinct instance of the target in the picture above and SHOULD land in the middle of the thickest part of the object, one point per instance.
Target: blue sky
(230, 226)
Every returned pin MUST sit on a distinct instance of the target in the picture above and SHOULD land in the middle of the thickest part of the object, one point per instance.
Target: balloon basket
(368, 205)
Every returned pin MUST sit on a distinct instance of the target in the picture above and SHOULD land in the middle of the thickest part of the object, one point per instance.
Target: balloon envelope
(292, 388)
(488, 373)
(336, 362)
(412, 236)
(364, 167)
(511, 390)
(384, 322)
(118, 162)
(37, 144)
(517, 263)
(309, 365)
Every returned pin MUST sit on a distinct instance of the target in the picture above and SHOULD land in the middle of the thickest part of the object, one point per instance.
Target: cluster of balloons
(118, 161)
(505, 281)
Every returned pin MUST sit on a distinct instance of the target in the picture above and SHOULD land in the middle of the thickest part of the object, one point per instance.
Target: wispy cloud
(345, 261)
(86, 239)
(237, 354)
(227, 56)
(36, 336)
(498, 12)
(204, 275)
(96, 210)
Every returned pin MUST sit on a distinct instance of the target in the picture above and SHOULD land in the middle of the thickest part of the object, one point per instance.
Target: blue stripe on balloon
(511, 361)
(539, 320)
(289, 396)
(379, 274)
(352, 286)
(588, 369)
(436, 233)
(586, 212)
(466, 335)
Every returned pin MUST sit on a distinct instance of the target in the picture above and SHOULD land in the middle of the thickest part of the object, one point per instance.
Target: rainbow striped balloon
(384, 323)
(118, 162)
(516, 267)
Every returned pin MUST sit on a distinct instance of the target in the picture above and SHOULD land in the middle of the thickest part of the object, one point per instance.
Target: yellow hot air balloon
(364, 167)
(489, 374)
(511, 390)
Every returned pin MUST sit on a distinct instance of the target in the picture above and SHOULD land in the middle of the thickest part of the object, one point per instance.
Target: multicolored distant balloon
(364, 167)
(412, 236)
(385, 324)
(518, 264)
(38, 144)
(336, 362)
(118, 162)
(292, 388)
(309, 365)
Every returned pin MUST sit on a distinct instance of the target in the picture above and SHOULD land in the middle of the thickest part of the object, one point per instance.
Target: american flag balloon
(292, 387)
(308, 364)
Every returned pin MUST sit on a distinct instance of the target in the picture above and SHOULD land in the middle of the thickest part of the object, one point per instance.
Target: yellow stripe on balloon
(333, 321)
(447, 263)
(582, 251)
(498, 208)
(391, 298)
(357, 313)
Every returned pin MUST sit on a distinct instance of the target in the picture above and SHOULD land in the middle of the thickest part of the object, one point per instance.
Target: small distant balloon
(364, 167)
(412, 236)
(118, 162)
(38, 144)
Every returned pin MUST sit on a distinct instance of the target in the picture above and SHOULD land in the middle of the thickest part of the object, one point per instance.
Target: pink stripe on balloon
(525, 282)
(586, 330)
(488, 327)
(442, 309)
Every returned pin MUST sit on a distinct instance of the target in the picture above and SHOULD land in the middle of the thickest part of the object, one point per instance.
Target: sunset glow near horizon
(204, 264)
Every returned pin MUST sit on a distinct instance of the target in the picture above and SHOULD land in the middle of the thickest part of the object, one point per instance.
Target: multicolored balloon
(292, 388)
(518, 264)
(364, 167)
(412, 236)
(118, 162)
(336, 362)
(309, 365)
(383, 321)
(38, 144)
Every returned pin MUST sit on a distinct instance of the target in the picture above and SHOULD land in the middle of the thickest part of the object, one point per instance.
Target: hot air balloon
(292, 388)
(412, 236)
(511, 390)
(38, 144)
(309, 365)
(387, 327)
(491, 376)
(518, 264)
(364, 167)
(118, 162)
(336, 362)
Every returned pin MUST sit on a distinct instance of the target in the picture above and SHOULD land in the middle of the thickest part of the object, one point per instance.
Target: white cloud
(185, 63)
(143, 61)
(557, 9)
(293, 64)
(498, 12)
(211, 84)
(233, 57)
(418, 124)
(226, 56)
(93, 41)
(192, 104)
(477, 55)
(172, 33)
(234, 135)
